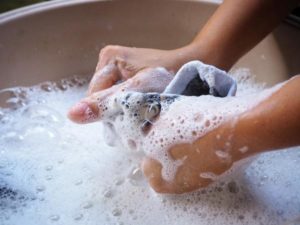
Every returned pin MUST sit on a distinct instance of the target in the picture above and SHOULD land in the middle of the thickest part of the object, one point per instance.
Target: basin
(58, 39)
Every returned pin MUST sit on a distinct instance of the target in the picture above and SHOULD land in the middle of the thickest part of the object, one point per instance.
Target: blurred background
(6, 5)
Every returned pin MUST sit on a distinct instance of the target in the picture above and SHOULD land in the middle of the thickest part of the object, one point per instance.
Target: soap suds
(133, 116)
(55, 172)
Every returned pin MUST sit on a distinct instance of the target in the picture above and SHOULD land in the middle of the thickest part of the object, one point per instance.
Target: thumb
(85, 111)
(90, 109)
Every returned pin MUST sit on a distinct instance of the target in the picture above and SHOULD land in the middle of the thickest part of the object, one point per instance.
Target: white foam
(183, 120)
(55, 172)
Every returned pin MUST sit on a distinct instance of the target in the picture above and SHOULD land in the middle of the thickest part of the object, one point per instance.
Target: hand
(148, 80)
(134, 66)
(263, 127)
(200, 167)
(118, 63)
(200, 163)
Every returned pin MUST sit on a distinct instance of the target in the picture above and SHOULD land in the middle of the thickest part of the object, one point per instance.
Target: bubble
(264, 178)
(54, 218)
(49, 177)
(108, 193)
(233, 187)
(87, 205)
(4, 119)
(222, 154)
(62, 85)
(37, 133)
(47, 86)
(78, 217)
(44, 171)
(132, 144)
(244, 149)
(40, 188)
(207, 123)
(136, 176)
(49, 168)
(117, 212)
(119, 181)
(260, 161)
(12, 98)
(241, 217)
(43, 114)
(78, 182)
(208, 175)
(12, 136)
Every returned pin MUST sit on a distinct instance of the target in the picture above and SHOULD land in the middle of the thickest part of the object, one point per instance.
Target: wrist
(232, 138)
(202, 51)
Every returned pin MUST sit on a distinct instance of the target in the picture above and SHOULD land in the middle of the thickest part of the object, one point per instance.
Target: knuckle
(110, 50)
(158, 184)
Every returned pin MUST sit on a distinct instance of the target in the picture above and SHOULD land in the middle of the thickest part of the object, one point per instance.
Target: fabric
(196, 78)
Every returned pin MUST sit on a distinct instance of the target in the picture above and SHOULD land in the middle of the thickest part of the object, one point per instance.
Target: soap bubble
(54, 217)
(11, 136)
(136, 176)
(43, 114)
(37, 133)
(55, 172)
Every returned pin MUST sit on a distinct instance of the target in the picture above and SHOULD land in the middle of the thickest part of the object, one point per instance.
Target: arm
(274, 124)
(271, 125)
(236, 27)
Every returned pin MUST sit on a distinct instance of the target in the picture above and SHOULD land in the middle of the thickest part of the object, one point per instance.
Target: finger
(151, 80)
(104, 78)
(153, 171)
(90, 109)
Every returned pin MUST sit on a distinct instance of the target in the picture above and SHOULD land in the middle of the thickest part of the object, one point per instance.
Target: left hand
(200, 163)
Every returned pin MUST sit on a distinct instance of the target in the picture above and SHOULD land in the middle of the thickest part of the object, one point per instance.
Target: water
(55, 172)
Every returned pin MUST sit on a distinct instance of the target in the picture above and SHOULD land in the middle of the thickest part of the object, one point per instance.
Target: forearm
(273, 124)
(235, 28)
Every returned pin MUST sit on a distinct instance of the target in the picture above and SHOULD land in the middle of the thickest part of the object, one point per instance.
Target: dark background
(6, 5)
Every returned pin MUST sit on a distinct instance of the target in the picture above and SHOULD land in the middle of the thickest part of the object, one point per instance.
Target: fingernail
(82, 112)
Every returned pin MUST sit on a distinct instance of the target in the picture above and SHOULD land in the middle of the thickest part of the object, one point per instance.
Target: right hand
(118, 63)
(136, 66)
(89, 109)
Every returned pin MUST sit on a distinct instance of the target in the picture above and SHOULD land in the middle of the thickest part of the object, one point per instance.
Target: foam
(130, 116)
(55, 172)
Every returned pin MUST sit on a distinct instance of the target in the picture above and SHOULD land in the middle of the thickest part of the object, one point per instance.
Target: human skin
(236, 27)
(271, 125)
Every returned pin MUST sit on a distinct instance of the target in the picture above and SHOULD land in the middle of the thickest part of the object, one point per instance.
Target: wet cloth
(196, 78)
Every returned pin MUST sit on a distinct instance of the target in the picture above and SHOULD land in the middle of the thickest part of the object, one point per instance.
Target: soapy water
(55, 172)
(132, 117)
